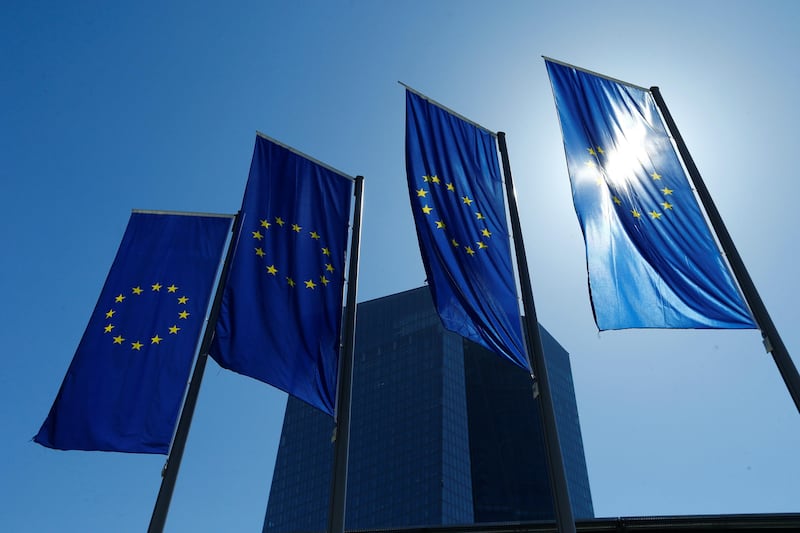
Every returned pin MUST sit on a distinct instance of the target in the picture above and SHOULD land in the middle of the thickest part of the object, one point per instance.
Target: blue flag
(652, 260)
(126, 382)
(282, 308)
(456, 193)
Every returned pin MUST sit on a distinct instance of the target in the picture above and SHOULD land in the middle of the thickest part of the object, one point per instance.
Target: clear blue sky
(111, 106)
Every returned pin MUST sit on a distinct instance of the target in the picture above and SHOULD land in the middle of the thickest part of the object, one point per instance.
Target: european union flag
(125, 385)
(281, 312)
(652, 260)
(456, 193)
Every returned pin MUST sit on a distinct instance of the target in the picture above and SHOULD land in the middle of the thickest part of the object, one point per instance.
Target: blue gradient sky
(109, 107)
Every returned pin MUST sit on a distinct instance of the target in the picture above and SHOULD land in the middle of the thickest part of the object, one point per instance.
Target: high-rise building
(443, 431)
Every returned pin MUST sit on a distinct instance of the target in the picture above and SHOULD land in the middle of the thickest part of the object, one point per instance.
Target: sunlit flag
(652, 260)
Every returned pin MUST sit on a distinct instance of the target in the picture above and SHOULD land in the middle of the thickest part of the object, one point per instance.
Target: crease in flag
(651, 258)
(456, 194)
(124, 387)
(281, 314)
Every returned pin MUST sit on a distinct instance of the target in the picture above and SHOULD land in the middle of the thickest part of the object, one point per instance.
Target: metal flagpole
(535, 352)
(336, 509)
(170, 472)
(769, 333)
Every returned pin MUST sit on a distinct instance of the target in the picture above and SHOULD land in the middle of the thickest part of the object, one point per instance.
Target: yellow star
(279, 221)
(137, 345)
(325, 251)
(590, 164)
(272, 270)
(439, 224)
(421, 193)
(482, 245)
(310, 284)
(172, 288)
(435, 179)
(635, 213)
(296, 228)
(451, 187)
(486, 232)
(136, 290)
(290, 281)
(426, 178)
(469, 250)
(600, 151)
(257, 235)
(666, 205)
(324, 280)
(118, 339)
(183, 300)
(173, 330)
(480, 216)
(467, 200)
(617, 200)
(260, 252)
(265, 224)
(314, 235)
(119, 298)
(329, 267)
(183, 314)
(454, 243)
(655, 214)
(427, 209)
(655, 175)
(156, 339)
(591, 151)
(108, 328)
(110, 313)
(667, 191)
(156, 286)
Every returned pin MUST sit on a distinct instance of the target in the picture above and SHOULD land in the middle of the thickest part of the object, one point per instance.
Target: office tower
(442, 432)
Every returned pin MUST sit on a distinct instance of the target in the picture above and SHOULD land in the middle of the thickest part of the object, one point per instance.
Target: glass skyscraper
(442, 432)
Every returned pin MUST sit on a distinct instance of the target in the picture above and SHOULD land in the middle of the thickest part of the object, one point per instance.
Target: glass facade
(442, 432)
(510, 481)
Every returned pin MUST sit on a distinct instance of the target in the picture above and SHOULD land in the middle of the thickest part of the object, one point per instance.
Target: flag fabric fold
(281, 314)
(124, 387)
(456, 193)
(651, 258)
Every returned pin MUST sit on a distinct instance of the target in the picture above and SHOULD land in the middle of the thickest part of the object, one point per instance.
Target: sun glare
(625, 160)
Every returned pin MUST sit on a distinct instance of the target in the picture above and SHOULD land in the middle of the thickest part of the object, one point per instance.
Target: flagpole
(169, 474)
(772, 340)
(535, 352)
(336, 509)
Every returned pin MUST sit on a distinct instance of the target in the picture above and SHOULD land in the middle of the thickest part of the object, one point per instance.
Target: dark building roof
(744, 523)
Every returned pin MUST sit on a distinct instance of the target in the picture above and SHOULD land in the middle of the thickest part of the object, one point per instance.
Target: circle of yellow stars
(137, 344)
(485, 234)
(261, 233)
(654, 214)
